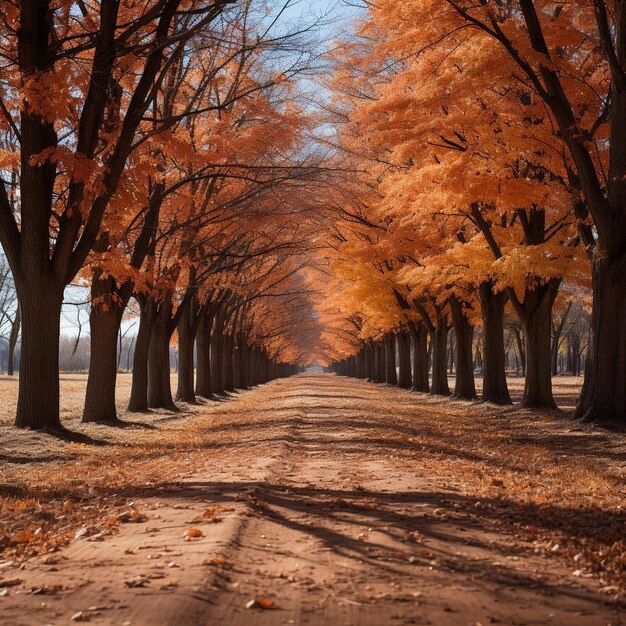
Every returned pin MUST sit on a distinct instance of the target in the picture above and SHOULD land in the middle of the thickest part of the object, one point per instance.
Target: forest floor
(314, 500)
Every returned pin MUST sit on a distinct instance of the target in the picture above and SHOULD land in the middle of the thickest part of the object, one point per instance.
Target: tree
(207, 164)
(77, 84)
(572, 57)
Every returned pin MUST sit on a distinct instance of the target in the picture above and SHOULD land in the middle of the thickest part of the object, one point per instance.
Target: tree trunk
(439, 341)
(420, 358)
(451, 344)
(38, 399)
(557, 331)
(573, 353)
(537, 320)
(360, 363)
(404, 360)
(217, 355)
(236, 366)
(139, 389)
(185, 391)
(478, 357)
(368, 357)
(242, 356)
(159, 383)
(492, 306)
(520, 341)
(464, 386)
(15, 331)
(253, 366)
(379, 361)
(104, 324)
(203, 353)
(391, 376)
(229, 372)
(554, 355)
(603, 396)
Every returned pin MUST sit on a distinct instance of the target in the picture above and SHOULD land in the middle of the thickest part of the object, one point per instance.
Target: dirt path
(320, 516)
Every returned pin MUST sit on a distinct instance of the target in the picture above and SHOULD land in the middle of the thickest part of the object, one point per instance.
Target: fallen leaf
(261, 603)
(266, 603)
(131, 517)
(80, 617)
(137, 581)
(26, 536)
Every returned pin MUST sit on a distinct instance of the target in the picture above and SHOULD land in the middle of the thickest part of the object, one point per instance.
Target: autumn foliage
(464, 174)
(483, 138)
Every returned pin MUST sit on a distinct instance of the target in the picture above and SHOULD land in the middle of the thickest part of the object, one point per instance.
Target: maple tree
(167, 155)
(77, 81)
(219, 153)
(475, 189)
(570, 59)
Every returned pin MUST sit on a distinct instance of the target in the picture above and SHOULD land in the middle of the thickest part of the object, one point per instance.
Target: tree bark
(229, 373)
(203, 353)
(573, 353)
(159, 382)
(603, 396)
(104, 324)
(439, 342)
(520, 340)
(139, 389)
(379, 361)
(420, 358)
(185, 391)
(495, 388)
(242, 357)
(391, 376)
(217, 351)
(38, 400)
(537, 321)
(368, 362)
(554, 356)
(556, 332)
(464, 386)
(404, 360)
(15, 331)
(253, 366)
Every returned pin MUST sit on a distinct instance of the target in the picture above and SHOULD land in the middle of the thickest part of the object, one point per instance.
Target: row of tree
(155, 152)
(486, 141)
(159, 153)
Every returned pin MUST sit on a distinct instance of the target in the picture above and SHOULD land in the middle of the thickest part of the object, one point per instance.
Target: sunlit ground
(73, 387)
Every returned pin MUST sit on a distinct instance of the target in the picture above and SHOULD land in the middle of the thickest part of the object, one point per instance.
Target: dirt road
(327, 508)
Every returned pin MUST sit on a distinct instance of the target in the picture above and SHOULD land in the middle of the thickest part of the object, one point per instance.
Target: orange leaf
(266, 603)
(24, 537)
